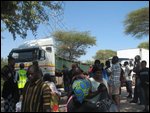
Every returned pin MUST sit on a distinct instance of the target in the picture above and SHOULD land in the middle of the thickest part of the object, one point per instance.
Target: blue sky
(103, 19)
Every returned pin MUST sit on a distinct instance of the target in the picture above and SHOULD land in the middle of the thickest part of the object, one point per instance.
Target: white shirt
(95, 84)
(126, 73)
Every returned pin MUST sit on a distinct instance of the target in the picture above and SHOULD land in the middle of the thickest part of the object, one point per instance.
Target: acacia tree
(89, 62)
(20, 16)
(104, 55)
(72, 44)
(144, 45)
(137, 23)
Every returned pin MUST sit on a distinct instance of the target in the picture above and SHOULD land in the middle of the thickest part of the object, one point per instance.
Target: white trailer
(131, 53)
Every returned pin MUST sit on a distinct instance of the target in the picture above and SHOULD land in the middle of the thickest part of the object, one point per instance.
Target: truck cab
(40, 50)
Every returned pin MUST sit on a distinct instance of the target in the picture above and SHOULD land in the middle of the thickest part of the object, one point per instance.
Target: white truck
(43, 51)
(131, 53)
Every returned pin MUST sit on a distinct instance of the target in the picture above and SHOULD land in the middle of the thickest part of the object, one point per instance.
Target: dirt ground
(124, 107)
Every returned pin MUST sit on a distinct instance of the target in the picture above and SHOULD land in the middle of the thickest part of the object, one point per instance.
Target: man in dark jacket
(138, 91)
(10, 91)
(144, 78)
(66, 79)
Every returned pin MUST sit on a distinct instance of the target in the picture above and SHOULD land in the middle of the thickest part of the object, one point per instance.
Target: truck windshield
(24, 55)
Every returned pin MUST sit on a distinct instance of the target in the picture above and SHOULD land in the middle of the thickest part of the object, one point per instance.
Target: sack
(105, 105)
(102, 102)
(18, 106)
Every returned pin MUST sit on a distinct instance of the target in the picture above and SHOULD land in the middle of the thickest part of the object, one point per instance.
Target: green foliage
(89, 62)
(137, 23)
(144, 45)
(72, 44)
(104, 55)
(21, 16)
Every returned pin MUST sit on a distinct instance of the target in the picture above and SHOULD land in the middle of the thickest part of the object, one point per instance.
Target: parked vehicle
(131, 53)
(43, 51)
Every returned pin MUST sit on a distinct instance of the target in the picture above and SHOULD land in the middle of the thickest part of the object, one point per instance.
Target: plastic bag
(18, 106)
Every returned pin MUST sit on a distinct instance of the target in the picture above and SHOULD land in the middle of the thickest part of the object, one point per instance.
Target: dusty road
(124, 107)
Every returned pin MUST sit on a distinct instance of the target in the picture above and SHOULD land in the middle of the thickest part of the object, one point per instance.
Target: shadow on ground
(125, 106)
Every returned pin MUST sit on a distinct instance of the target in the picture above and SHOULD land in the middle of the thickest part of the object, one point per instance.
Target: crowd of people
(141, 90)
(98, 89)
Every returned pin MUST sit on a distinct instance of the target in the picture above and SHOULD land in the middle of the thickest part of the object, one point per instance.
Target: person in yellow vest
(21, 78)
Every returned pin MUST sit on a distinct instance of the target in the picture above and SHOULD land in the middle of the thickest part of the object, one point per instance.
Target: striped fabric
(36, 97)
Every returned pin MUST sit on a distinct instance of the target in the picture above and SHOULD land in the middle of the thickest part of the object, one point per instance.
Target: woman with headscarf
(76, 101)
(82, 101)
